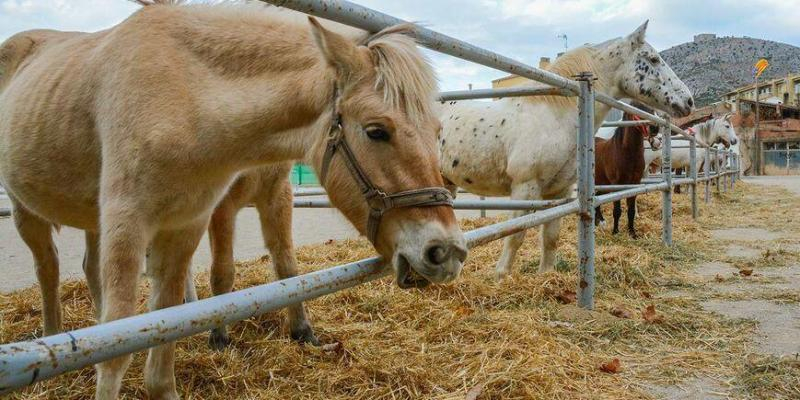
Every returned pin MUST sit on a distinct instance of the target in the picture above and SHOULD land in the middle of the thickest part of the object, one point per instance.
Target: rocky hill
(712, 66)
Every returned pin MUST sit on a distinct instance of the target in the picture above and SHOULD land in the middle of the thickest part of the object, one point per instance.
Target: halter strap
(378, 201)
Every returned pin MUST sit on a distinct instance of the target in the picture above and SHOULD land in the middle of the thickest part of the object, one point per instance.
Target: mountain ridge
(712, 66)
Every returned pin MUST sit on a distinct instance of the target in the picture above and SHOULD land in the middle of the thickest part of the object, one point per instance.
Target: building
(784, 91)
(516, 80)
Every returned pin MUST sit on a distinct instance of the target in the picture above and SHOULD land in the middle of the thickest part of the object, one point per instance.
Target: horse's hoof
(500, 275)
(218, 342)
(615, 231)
(305, 335)
(633, 234)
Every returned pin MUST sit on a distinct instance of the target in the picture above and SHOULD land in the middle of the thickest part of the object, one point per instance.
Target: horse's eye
(655, 60)
(377, 132)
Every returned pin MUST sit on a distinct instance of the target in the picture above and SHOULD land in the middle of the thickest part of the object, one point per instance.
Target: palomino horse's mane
(403, 73)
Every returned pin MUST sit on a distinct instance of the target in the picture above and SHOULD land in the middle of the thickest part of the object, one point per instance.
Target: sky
(522, 29)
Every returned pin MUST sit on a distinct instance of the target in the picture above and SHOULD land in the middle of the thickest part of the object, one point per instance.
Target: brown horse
(134, 134)
(620, 161)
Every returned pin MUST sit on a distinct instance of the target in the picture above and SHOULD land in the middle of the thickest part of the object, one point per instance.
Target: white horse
(525, 147)
(714, 131)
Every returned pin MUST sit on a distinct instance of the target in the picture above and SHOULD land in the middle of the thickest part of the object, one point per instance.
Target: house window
(797, 88)
(765, 90)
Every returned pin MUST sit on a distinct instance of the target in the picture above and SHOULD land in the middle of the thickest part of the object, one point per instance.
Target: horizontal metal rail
(523, 91)
(5, 212)
(623, 194)
(626, 124)
(491, 204)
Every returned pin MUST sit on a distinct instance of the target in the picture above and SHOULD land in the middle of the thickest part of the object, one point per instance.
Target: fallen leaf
(462, 310)
(649, 315)
(475, 391)
(560, 324)
(612, 367)
(745, 272)
(335, 347)
(719, 278)
(567, 297)
(647, 295)
(621, 312)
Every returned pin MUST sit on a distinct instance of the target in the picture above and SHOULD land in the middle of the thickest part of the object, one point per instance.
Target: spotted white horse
(526, 147)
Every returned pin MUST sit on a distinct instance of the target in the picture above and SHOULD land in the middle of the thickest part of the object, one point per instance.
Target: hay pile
(512, 340)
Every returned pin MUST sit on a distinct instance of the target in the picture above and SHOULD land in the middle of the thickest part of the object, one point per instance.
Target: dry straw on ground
(473, 339)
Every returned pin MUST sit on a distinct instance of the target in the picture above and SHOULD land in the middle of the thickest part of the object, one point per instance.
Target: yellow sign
(760, 66)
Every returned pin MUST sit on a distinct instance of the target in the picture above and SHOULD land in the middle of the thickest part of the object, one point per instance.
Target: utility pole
(757, 147)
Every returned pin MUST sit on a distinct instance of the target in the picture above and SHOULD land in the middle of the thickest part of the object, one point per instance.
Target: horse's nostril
(436, 255)
(691, 103)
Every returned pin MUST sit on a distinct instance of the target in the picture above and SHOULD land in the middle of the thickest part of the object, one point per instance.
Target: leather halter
(379, 202)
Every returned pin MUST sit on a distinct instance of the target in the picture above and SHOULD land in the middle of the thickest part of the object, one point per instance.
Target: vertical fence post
(586, 191)
(716, 169)
(693, 175)
(723, 169)
(666, 195)
(734, 169)
(707, 170)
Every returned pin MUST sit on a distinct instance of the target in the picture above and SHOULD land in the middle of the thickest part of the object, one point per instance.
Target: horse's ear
(337, 50)
(637, 37)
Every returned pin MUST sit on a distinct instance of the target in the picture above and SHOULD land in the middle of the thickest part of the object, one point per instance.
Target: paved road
(791, 183)
(309, 226)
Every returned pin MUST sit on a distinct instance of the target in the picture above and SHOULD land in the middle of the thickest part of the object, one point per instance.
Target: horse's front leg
(38, 235)
(617, 215)
(275, 212)
(123, 244)
(168, 264)
(220, 235)
(598, 216)
(631, 203)
(524, 191)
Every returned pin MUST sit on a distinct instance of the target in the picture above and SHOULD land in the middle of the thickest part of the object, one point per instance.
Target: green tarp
(303, 175)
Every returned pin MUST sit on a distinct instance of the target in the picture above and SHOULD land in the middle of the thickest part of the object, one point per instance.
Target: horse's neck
(265, 103)
(703, 130)
(632, 140)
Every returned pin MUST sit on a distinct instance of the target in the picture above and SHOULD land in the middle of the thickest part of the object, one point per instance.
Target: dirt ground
(769, 296)
(724, 300)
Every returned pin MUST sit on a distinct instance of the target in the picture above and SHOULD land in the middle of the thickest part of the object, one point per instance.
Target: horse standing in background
(525, 147)
(620, 161)
(714, 131)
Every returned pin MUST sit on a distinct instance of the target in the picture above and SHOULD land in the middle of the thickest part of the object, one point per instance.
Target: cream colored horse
(134, 134)
(526, 147)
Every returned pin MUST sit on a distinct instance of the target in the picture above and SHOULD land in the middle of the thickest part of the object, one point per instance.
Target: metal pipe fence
(25, 363)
